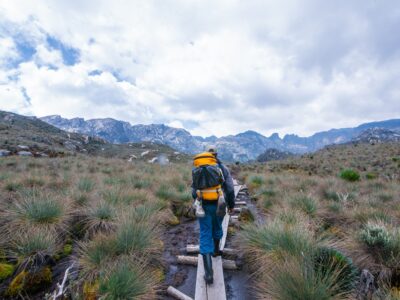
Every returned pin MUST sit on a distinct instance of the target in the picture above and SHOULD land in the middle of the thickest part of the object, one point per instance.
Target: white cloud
(223, 67)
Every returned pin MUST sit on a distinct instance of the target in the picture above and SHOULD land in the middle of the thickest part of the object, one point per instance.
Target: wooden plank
(216, 291)
(225, 223)
(237, 188)
(177, 294)
(201, 287)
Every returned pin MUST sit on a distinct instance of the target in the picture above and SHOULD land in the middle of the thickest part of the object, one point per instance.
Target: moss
(159, 274)
(6, 270)
(30, 282)
(173, 221)
(67, 250)
(17, 284)
(90, 290)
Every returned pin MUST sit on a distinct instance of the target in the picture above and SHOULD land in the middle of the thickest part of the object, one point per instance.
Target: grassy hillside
(101, 216)
(328, 216)
(42, 138)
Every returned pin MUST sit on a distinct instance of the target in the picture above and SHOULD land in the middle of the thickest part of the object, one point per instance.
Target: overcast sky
(212, 67)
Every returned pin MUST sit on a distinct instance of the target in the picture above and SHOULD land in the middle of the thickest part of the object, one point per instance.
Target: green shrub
(12, 186)
(375, 234)
(371, 176)
(328, 260)
(350, 175)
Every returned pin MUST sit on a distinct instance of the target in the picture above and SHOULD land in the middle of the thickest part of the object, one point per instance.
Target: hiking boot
(208, 270)
(217, 252)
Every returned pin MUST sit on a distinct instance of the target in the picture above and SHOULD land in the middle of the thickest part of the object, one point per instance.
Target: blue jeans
(210, 228)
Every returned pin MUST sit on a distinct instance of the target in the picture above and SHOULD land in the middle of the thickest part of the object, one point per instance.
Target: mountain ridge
(243, 146)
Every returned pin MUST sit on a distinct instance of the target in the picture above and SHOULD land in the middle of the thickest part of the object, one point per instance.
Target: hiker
(212, 189)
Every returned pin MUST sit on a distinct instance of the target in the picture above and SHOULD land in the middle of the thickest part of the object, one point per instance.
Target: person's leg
(217, 227)
(217, 232)
(206, 242)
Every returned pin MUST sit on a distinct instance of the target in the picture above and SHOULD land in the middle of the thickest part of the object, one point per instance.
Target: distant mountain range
(241, 147)
(29, 136)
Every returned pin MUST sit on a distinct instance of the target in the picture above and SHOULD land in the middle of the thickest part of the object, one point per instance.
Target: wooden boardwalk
(215, 291)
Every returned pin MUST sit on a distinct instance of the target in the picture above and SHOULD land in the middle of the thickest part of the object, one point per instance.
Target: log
(177, 294)
(240, 203)
(192, 260)
(194, 249)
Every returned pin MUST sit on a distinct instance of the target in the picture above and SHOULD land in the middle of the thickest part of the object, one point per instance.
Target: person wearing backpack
(212, 187)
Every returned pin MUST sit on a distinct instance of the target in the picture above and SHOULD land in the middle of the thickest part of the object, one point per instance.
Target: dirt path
(183, 277)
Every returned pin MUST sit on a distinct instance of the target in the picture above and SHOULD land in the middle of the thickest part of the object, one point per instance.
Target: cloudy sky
(212, 67)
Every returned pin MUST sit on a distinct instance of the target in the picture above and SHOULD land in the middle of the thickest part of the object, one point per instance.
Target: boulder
(145, 153)
(153, 160)
(24, 153)
(4, 152)
(23, 147)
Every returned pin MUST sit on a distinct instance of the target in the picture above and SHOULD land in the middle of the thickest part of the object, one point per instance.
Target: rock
(4, 152)
(153, 160)
(177, 153)
(366, 285)
(24, 153)
(145, 153)
(132, 157)
(70, 146)
(23, 147)
(43, 155)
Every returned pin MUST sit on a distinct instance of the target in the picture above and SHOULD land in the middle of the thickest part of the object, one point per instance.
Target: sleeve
(228, 188)
(194, 194)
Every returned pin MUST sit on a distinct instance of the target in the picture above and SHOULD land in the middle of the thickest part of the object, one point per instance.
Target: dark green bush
(350, 175)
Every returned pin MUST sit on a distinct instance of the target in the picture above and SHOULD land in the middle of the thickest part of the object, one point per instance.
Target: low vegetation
(103, 216)
(329, 215)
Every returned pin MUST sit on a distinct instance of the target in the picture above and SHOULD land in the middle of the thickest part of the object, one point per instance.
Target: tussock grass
(100, 217)
(106, 209)
(127, 280)
(34, 208)
(32, 248)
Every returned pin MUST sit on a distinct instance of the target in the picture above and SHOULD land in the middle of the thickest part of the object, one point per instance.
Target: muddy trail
(238, 283)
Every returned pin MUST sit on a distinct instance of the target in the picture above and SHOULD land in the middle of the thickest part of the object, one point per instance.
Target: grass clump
(96, 255)
(349, 175)
(135, 237)
(255, 181)
(306, 204)
(126, 280)
(33, 248)
(298, 279)
(85, 185)
(99, 218)
(276, 238)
